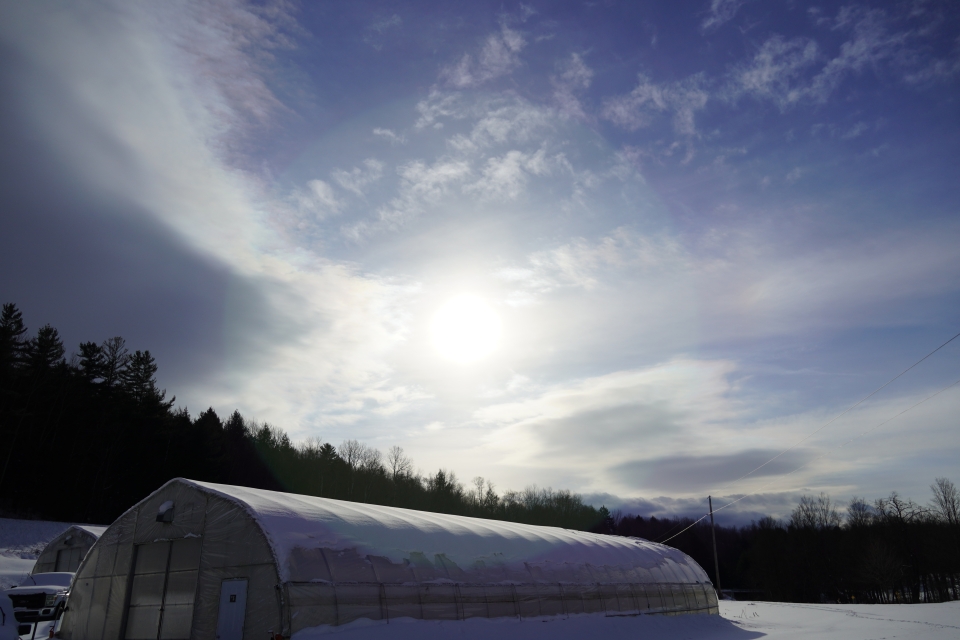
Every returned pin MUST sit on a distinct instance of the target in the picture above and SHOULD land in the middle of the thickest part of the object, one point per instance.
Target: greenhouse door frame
(167, 587)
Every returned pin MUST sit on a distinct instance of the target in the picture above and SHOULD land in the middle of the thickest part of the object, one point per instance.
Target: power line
(845, 412)
(856, 437)
(806, 464)
(801, 441)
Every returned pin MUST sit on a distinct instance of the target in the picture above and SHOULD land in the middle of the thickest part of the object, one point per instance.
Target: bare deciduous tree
(893, 507)
(310, 448)
(859, 513)
(398, 463)
(115, 359)
(880, 566)
(479, 484)
(444, 482)
(815, 513)
(350, 452)
(490, 497)
(371, 459)
(946, 501)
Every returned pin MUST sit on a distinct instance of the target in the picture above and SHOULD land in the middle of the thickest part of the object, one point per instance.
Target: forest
(82, 439)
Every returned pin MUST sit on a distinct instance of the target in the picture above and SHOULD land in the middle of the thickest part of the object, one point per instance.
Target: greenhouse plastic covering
(65, 552)
(311, 561)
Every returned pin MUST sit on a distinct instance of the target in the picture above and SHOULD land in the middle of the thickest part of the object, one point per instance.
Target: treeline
(893, 550)
(84, 439)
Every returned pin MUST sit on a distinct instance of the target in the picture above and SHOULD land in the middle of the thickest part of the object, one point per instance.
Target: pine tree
(92, 361)
(115, 358)
(12, 343)
(137, 378)
(45, 351)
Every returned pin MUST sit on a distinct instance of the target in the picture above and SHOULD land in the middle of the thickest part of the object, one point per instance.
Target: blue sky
(703, 228)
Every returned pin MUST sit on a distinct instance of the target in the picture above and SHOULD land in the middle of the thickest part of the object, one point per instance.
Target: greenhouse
(65, 552)
(201, 560)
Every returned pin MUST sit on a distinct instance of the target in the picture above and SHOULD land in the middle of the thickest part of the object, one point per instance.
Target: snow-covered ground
(737, 621)
(21, 541)
(841, 621)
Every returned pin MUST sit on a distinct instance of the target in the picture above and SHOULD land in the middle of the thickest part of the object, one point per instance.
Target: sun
(465, 329)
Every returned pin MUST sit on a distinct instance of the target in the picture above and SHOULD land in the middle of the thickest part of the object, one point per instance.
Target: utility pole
(713, 534)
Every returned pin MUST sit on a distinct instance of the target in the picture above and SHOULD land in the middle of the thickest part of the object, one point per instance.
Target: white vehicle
(39, 597)
(8, 623)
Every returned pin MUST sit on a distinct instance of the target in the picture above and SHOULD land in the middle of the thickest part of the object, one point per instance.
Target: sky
(630, 249)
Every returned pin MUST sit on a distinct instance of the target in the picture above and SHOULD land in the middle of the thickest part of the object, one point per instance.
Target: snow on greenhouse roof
(296, 522)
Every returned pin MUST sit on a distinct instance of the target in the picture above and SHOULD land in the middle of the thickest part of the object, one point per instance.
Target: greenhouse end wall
(231, 546)
(67, 550)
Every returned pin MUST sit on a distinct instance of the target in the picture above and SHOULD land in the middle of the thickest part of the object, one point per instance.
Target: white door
(233, 605)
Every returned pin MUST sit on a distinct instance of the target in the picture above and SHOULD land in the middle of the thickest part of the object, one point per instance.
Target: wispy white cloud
(793, 290)
(776, 71)
(301, 217)
(503, 143)
(421, 185)
(504, 177)
(376, 30)
(924, 72)
(855, 131)
(380, 26)
(871, 44)
(639, 107)
(427, 183)
(745, 279)
(587, 264)
(647, 426)
(306, 208)
(357, 178)
(574, 78)
(438, 105)
(499, 56)
(628, 163)
(163, 107)
(195, 95)
(796, 70)
(389, 134)
(653, 409)
(224, 49)
(503, 120)
(721, 12)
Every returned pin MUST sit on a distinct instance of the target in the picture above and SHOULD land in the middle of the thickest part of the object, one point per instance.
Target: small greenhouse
(201, 560)
(65, 552)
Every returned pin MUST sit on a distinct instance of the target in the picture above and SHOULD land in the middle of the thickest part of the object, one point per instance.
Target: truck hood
(48, 589)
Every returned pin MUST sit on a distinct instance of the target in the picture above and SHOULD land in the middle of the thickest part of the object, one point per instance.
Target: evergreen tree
(45, 351)
(12, 343)
(115, 359)
(91, 361)
(139, 381)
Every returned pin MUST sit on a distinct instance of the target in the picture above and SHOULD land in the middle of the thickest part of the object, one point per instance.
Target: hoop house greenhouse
(65, 552)
(201, 560)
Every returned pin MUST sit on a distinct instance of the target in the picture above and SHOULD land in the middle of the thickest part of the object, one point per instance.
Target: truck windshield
(54, 579)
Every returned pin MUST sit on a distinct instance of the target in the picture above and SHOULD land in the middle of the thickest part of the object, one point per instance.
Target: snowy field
(737, 621)
(22, 540)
